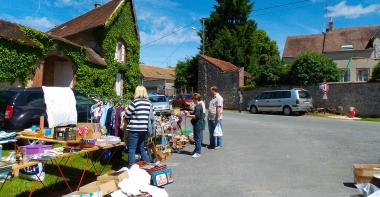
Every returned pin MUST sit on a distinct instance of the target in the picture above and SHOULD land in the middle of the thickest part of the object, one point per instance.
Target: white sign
(325, 88)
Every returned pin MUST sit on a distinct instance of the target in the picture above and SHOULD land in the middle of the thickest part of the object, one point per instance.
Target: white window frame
(120, 52)
(346, 72)
(358, 76)
(119, 84)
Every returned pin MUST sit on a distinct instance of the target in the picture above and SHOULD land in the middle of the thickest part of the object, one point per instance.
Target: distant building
(157, 79)
(356, 50)
(226, 76)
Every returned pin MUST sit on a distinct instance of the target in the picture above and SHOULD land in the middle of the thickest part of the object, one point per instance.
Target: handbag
(218, 130)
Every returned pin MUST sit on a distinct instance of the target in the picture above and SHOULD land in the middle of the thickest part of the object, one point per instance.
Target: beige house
(158, 80)
(356, 50)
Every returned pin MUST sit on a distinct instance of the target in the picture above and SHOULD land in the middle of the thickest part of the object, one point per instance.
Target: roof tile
(157, 72)
(92, 19)
(223, 65)
(358, 37)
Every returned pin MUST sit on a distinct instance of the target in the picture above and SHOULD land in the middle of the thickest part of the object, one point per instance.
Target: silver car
(160, 104)
(285, 101)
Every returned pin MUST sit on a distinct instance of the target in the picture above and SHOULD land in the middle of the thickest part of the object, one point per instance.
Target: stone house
(356, 50)
(226, 76)
(158, 80)
(107, 42)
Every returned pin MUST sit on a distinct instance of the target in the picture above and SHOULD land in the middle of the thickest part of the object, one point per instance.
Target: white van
(285, 101)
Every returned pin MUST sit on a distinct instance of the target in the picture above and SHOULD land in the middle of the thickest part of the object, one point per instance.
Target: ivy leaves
(18, 60)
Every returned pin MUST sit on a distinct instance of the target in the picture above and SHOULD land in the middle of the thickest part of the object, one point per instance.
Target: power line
(293, 8)
(173, 52)
(168, 34)
(280, 5)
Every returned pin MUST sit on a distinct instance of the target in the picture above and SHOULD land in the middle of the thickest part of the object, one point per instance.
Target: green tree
(229, 33)
(187, 73)
(268, 68)
(376, 73)
(232, 36)
(312, 68)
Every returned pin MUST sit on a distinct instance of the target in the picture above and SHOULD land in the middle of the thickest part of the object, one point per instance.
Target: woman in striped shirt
(138, 117)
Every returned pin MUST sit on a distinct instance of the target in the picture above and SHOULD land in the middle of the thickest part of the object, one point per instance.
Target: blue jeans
(198, 135)
(211, 127)
(136, 139)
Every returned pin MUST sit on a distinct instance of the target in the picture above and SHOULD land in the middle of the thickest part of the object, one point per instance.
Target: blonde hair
(141, 92)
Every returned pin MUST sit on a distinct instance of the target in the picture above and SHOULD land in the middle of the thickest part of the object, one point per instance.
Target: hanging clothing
(104, 115)
(117, 120)
(108, 122)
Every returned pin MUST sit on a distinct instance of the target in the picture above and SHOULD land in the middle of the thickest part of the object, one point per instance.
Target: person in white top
(215, 116)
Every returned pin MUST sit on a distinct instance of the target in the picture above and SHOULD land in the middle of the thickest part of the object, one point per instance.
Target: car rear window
(36, 100)
(304, 94)
(6, 96)
(157, 99)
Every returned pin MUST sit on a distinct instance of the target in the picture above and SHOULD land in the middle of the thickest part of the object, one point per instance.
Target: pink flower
(82, 131)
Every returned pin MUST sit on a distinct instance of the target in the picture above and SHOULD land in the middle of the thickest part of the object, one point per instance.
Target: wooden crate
(363, 173)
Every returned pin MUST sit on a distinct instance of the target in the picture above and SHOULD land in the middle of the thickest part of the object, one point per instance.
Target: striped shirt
(138, 115)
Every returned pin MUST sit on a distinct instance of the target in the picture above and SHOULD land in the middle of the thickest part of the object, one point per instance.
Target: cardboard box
(117, 176)
(106, 187)
(363, 173)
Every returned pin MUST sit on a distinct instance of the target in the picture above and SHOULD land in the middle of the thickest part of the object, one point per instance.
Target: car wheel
(287, 111)
(253, 109)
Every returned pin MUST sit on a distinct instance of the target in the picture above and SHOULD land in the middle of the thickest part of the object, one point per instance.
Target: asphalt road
(275, 155)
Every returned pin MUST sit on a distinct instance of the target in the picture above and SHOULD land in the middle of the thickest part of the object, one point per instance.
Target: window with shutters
(120, 53)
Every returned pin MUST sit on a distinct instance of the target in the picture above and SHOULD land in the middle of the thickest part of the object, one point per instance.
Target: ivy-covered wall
(121, 27)
(18, 60)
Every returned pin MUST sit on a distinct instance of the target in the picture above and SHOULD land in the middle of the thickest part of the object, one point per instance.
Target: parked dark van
(20, 108)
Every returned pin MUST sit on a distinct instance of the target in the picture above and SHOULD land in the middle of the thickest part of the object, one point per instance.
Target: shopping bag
(218, 130)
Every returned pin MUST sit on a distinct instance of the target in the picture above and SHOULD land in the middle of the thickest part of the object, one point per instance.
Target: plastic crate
(35, 149)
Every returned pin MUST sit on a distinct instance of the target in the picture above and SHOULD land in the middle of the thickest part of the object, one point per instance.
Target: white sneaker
(196, 155)
(218, 148)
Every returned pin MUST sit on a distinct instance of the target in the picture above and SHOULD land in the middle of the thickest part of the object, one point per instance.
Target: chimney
(96, 5)
(331, 24)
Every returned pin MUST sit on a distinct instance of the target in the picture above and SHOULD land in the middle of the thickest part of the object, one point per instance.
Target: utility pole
(203, 36)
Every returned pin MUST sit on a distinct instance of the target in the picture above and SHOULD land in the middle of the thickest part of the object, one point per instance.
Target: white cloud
(155, 27)
(77, 4)
(67, 3)
(169, 4)
(40, 23)
(351, 11)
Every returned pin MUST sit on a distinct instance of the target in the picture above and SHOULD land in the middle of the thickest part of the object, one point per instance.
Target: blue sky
(176, 18)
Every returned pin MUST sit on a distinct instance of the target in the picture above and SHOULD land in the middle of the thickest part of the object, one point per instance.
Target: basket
(87, 143)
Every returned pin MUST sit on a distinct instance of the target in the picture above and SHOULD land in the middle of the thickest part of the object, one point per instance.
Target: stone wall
(365, 97)
(227, 83)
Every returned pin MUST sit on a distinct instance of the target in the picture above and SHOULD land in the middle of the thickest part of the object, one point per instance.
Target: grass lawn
(320, 114)
(21, 187)
(326, 115)
(371, 119)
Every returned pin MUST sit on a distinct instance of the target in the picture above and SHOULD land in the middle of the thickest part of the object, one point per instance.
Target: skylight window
(347, 46)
